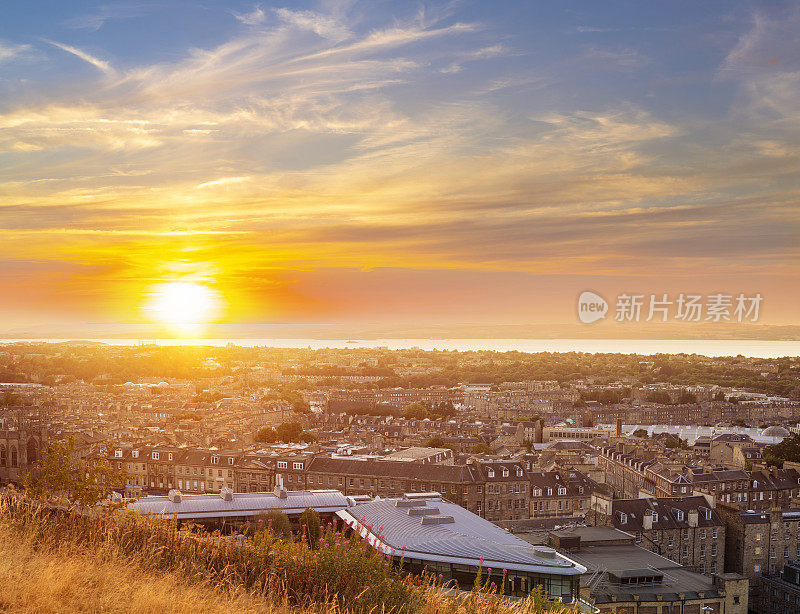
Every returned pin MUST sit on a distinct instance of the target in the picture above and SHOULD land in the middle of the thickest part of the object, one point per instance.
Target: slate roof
(667, 508)
(463, 539)
(212, 506)
(394, 469)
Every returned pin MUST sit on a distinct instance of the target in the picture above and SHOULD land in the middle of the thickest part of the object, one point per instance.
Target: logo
(591, 307)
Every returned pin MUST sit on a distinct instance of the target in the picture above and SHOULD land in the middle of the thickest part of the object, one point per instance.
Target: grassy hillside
(60, 561)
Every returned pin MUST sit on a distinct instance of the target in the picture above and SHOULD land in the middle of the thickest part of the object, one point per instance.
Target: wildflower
(505, 571)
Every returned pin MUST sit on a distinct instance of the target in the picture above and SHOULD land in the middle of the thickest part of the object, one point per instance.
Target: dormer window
(680, 515)
(562, 490)
(136, 454)
(519, 472)
(537, 492)
(169, 456)
(505, 472)
(155, 455)
(490, 472)
(215, 460)
(297, 466)
(282, 464)
(230, 460)
(623, 518)
(655, 516)
(549, 492)
(117, 453)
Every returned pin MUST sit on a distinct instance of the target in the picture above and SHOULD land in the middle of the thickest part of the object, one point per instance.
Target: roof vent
(410, 503)
(423, 511)
(174, 496)
(429, 520)
(226, 494)
(543, 552)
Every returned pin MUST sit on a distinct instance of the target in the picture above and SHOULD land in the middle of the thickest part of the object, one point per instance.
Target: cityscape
(447, 307)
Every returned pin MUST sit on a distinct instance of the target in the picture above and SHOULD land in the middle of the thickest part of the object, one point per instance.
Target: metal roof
(242, 504)
(390, 528)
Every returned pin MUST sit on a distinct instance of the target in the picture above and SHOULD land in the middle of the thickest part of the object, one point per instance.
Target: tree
(274, 520)
(311, 526)
(415, 411)
(787, 450)
(266, 434)
(659, 396)
(640, 433)
(435, 442)
(480, 448)
(289, 432)
(59, 475)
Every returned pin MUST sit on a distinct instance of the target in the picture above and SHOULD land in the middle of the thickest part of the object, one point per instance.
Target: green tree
(60, 475)
(640, 433)
(266, 434)
(275, 521)
(311, 526)
(415, 411)
(787, 450)
(480, 448)
(289, 432)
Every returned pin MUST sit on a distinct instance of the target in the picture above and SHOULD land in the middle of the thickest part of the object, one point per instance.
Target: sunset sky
(393, 162)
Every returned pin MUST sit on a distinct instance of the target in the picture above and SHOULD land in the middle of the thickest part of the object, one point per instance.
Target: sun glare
(183, 306)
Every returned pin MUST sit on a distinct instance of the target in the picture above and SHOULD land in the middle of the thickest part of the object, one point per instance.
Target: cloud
(322, 25)
(86, 57)
(255, 17)
(9, 51)
(105, 13)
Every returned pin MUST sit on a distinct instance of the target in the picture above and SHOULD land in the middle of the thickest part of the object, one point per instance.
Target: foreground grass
(72, 579)
(57, 560)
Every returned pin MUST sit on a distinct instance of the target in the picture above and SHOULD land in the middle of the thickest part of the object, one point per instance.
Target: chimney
(619, 427)
(693, 517)
(174, 496)
(280, 491)
(647, 521)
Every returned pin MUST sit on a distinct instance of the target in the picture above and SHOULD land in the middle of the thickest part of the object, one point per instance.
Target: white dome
(775, 431)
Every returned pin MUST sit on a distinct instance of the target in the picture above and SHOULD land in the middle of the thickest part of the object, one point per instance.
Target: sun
(183, 306)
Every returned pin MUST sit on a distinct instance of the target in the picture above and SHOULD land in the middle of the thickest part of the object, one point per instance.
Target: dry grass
(55, 560)
(71, 580)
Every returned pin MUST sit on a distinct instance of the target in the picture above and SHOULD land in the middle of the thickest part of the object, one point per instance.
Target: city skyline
(392, 165)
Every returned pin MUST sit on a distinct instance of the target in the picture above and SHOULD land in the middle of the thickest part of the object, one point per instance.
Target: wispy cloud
(86, 57)
(9, 51)
(108, 12)
(255, 17)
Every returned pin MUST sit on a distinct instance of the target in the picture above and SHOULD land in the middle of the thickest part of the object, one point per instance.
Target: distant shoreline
(713, 348)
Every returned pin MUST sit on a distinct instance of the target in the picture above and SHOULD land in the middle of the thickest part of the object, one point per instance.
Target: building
(687, 530)
(227, 508)
(624, 578)
(427, 533)
(564, 493)
(760, 543)
(780, 594)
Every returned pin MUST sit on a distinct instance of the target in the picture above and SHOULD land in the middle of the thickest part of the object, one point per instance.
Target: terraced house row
(495, 490)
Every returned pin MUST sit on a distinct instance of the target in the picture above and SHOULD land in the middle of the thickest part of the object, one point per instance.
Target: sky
(395, 163)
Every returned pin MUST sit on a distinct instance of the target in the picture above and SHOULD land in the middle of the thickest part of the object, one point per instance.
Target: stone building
(687, 530)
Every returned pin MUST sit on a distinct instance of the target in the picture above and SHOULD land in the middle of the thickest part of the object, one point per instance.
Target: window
(169, 456)
(490, 472)
(282, 464)
(117, 453)
(702, 533)
(230, 460)
(562, 490)
(655, 517)
(155, 455)
(295, 465)
(135, 454)
(714, 533)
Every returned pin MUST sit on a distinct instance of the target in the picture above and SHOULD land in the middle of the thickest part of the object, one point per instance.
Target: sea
(713, 348)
